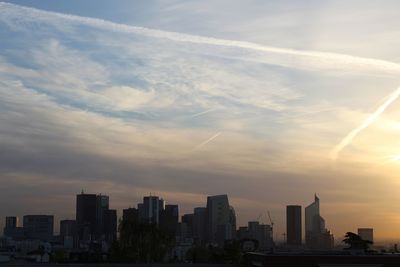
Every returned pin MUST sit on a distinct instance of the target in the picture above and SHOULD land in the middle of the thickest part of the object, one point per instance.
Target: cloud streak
(367, 122)
(325, 58)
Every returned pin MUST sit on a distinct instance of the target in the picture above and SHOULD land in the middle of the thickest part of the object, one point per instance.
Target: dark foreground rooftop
(307, 260)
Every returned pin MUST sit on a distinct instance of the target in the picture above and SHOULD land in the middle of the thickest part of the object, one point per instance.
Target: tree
(356, 242)
(140, 243)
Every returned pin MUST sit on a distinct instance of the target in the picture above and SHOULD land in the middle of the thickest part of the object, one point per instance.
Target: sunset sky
(266, 101)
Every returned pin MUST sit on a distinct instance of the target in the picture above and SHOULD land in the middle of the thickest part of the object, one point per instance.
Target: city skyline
(266, 102)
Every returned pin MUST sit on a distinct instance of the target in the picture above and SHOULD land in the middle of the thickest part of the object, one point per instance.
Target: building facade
(317, 236)
(39, 227)
(293, 225)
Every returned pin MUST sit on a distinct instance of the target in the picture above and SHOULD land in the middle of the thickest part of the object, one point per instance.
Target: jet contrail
(203, 112)
(371, 118)
(207, 141)
(16, 14)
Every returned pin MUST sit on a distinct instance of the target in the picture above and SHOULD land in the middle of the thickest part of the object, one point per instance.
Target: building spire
(316, 197)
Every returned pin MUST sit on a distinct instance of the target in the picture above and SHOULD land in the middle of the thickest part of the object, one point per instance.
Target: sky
(266, 101)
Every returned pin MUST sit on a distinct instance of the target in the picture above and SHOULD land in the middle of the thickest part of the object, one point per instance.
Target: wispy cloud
(323, 58)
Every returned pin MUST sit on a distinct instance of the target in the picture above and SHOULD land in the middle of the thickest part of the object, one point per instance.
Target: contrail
(207, 141)
(16, 14)
(371, 118)
(203, 112)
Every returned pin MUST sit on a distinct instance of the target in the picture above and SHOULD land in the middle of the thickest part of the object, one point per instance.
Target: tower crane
(272, 227)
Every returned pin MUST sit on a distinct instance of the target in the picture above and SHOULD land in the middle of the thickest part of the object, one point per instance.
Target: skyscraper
(130, 215)
(200, 224)
(12, 228)
(68, 233)
(11, 222)
(102, 206)
(317, 236)
(169, 218)
(149, 211)
(221, 219)
(293, 225)
(109, 232)
(86, 215)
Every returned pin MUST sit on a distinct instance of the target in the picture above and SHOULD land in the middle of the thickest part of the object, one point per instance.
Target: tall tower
(317, 236)
(86, 215)
(220, 219)
(293, 225)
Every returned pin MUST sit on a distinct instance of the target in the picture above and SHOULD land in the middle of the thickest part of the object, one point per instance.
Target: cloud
(321, 59)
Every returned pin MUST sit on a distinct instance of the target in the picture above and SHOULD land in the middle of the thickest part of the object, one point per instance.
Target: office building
(187, 225)
(317, 236)
(109, 230)
(68, 233)
(130, 215)
(12, 228)
(102, 206)
(169, 218)
(221, 220)
(39, 227)
(86, 216)
(366, 234)
(293, 225)
(200, 224)
(149, 210)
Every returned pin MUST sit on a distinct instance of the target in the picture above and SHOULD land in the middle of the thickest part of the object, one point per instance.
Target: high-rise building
(169, 218)
(12, 222)
(187, 225)
(39, 227)
(293, 225)
(317, 236)
(262, 233)
(221, 220)
(86, 216)
(200, 224)
(130, 215)
(366, 234)
(102, 207)
(109, 232)
(149, 210)
(12, 228)
(68, 233)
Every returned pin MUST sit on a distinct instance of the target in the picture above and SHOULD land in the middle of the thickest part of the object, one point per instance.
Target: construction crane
(272, 227)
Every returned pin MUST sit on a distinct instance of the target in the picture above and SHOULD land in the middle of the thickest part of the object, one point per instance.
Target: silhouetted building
(130, 215)
(86, 216)
(260, 232)
(221, 220)
(187, 225)
(169, 218)
(39, 227)
(366, 233)
(102, 206)
(11, 222)
(317, 236)
(200, 225)
(293, 225)
(109, 225)
(68, 233)
(149, 210)
(12, 228)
